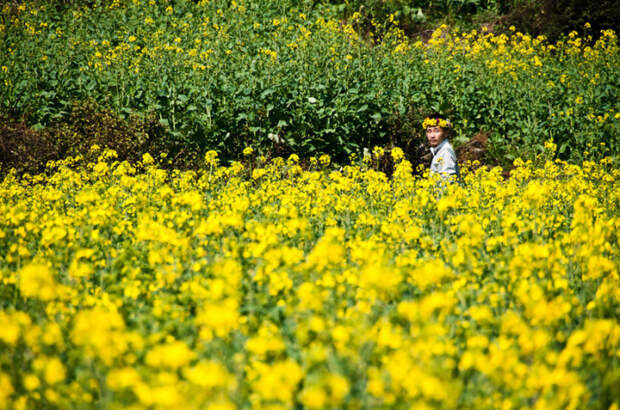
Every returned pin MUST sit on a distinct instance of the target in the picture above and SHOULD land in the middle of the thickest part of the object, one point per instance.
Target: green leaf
(266, 93)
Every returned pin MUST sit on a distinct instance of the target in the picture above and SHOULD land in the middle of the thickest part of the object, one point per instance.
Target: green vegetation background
(310, 77)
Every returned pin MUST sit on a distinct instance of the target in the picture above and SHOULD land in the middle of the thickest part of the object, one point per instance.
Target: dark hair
(437, 115)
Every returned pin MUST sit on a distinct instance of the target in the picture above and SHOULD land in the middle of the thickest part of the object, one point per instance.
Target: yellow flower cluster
(263, 285)
(435, 122)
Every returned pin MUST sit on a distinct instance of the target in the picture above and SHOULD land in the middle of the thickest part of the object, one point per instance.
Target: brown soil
(474, 149)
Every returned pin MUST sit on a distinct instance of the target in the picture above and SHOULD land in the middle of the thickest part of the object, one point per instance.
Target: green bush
(28, 149)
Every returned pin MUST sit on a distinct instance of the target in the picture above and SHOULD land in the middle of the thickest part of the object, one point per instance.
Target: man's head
(436, 129)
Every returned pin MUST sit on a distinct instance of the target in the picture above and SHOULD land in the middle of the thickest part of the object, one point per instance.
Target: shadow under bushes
(555, 18)
(28, 149)
(405, 132)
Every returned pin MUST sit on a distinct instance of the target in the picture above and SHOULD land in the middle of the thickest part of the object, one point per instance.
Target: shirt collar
(438, 147)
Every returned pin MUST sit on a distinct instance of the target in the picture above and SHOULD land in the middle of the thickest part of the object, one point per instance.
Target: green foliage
(223, 76)
(412, 15)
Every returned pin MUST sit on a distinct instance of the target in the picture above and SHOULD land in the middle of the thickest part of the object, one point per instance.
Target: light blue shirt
(444, 160)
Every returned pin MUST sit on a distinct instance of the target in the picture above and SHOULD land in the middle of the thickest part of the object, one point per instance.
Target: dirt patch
(474, 150)
(474, 153)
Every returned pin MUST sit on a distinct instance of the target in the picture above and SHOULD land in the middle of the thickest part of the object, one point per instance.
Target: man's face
(435, 135)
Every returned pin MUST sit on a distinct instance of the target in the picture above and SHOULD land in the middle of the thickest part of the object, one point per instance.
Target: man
(444, 160)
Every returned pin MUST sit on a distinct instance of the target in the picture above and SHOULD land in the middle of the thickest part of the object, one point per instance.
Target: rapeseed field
(265, 284)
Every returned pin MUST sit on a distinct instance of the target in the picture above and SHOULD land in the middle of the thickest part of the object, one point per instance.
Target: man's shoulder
(447, 147)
